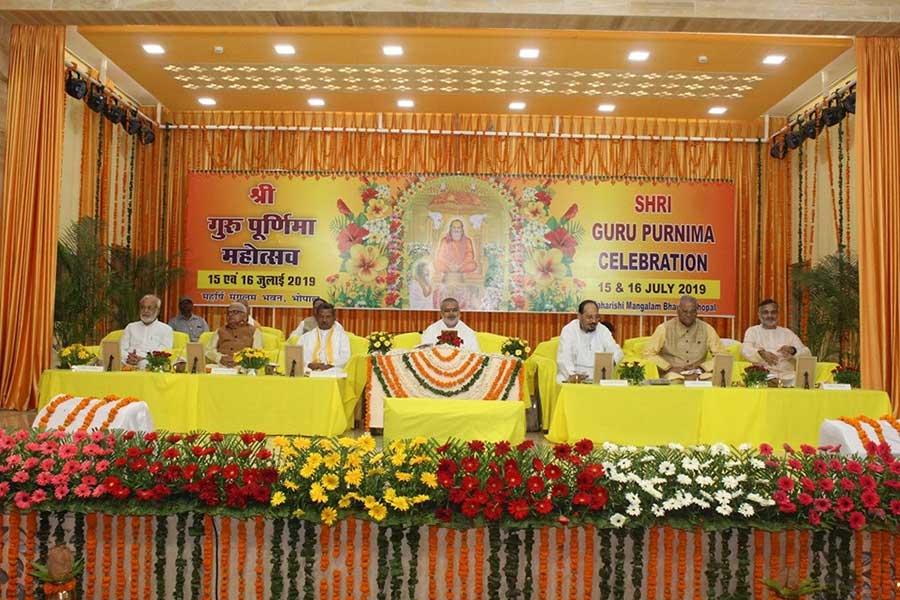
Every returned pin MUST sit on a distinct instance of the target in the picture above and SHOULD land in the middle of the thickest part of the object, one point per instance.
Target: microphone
(293, 367)
(194, 366)
(603, 373)
(723, 378)
(109, 363)
(806, 380)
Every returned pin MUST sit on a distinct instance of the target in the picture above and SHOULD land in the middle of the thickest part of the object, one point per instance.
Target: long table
(647, 415)
(223, 403)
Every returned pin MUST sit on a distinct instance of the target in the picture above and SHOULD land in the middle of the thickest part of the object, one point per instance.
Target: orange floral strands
(668, 543)
(574, 560)
(120, 556)
(432, 561)
(51, 409)
(350, 556)
(259, 538)
(442, 371)
(774, 556)
(72, 416)
(789, 550)
(803, 569)
(324, 560)
(225, 557)
(386, 366)
(12, 556)
(892, 422)
(148, 556)
(652, 571)
(875, 425)
(759, 559)
(208, 557)
(241, 526)
(472, 365)
(335, 554)
(449, 564)
(89, 417)
(368, 391)
(464, 565)
(698, 564)
(364, 559)
(875, 561)
(681, 582)
(28, 559)
(114, 411)
(106, 552)
(887, 582)
(862, 433)
(133, 567)
(560, 535)
(479, 563)
(502, 380)
(454, 352)
(588, 562)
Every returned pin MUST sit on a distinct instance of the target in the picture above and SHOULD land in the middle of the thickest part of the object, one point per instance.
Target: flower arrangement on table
(59, 573)
(159, 361)
(846, 374)
(380, 342)
(76, 354)
(633, 372)
(449, 338)
(251, 359)
(755, 376)
(516, 347)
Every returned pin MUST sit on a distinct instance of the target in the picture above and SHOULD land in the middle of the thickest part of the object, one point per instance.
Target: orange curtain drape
(761, 262)
(30, 209)
(878, 148)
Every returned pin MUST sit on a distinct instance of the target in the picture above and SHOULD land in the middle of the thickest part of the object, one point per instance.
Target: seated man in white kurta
(579, 341)
(145, 336)
(326, 349)
(450, 321)
(772, 346)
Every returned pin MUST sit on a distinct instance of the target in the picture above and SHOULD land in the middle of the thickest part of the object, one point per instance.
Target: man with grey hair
(145, 336)
(450, 321)
(679, 346)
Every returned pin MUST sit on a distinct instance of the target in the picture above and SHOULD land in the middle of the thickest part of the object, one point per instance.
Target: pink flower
(22, 500)
(43, 478)
(765, 449)
(89, 480)
(79, 436)
(31, 462)
(807, 449)
(59, 479)
(38, 496)
(13, 460)
(4, 488)
(101, 466)
(97, 436)
(61, 492)
(822, 505)
(854, 467)
(815, 519)
(786, 484)
(795, 464)
(68, 451)
(805, 499)
(47, 464)
(895, 505)
(866, 482)
(351, 234)
(20, 477)
(98, 491)
(83, 490)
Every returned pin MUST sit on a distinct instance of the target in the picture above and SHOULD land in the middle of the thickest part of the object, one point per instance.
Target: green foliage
(833, 324)
(96, 282)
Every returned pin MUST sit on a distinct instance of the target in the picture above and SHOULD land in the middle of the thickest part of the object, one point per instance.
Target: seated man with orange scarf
(235, 335)
(326, 349)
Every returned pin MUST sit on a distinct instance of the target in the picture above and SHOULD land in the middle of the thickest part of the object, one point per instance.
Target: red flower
(584, 447)
(518, 509)
(369, 193)
(820, 467)
(443, 514)
(173, 438)
(866, 482)
(765, 449)
(836, 465)
(822, 505)
(493, 511)
(857, 520)
(552, 472)
(343, 208)
(560, 238)
(785, 484)
(535, 484)
(788, 448)
(807, 484)
(805, 499)
(870, 499)
(795, 464)
(600, 498)
(581, 499)
(570, 213)
(895, 507)
(513, 478)
(493, 486)
(815, 519)
(560, 490)
(844, 504)
(351, 235)
(248, 438)
(544, 197)
(787, 507)
(231, 472)
(847, 484)
(854, 467)
(537, 464)
(150, 437)
(392, 277)
(470, 464)
(543, 506)
(807, 449)
(476, 446)
(502, 448)
(895, 468)
(468, 483)
(562, 451)
(216, 437)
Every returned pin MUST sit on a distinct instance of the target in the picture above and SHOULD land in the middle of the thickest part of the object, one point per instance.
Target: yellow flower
(399, 502)
(546, 266)
(344, 502)
(331, 481)
(421, 458)
(366, 262)
(376, 471)
(353, 461)
(398, 458)
(299, 512)
(376, 458)
(397, 446)
(420, 498)
(527, 349)
(403, 476)
(390, 494)
(376, 208)
(369, 501)
(301, 443)
(278, 498)
(281, 442)
(325, 444)
(353, 477)
(314, 460)
(290, 485)
(329, 516)
(366, 443)
(346, 442)
(307, 471)
(82, 354)
(377, 344)
(416, 442)
(429, 479)
(332, 460)
(378, 511)
(66, 351)
(317, 493)
(518, 353)
(288, 452)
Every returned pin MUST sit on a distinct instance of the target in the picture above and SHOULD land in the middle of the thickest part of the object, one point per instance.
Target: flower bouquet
(76, 354)
(158, 361)
(59, 574)
(516, 347)
(251, 360)
(755, 376)
(845, 374)
(450, 338)
(633, 372)
(380, 342)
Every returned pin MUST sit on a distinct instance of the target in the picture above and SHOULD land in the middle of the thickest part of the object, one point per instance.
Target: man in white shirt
(772, 346)
(579, 341)
(450, 321)
(310, 323)
(145, 336)
(326, 349)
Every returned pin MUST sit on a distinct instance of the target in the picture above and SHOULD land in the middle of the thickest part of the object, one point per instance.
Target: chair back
(113, 336)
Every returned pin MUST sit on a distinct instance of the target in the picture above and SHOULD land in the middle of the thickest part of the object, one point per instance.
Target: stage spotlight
(132, 123)
(778, 149)
(793, 139)
(114, 112)
(95, 98)
(147, 136)
(75, 85)
(810, 129)
(849, 102)
(831, 115)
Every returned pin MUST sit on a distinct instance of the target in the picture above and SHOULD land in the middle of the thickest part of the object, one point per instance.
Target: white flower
(632, 498)
(701, 503)
(630, 448)
(704, 480)
(658, 510)
(724, 509)
(684, 479)
(648, 458)
(609, 446)
(746, 510)
(730, 482)
(744, 447)
(690, 464)
(671, 504)
(760, 500)
(674, 446)
(719, 449)
(699, 448)
(722, 497)
(757, 464)
(624, 464)
(617, 520)
(634, 510)
(733, 463)
(666, 468)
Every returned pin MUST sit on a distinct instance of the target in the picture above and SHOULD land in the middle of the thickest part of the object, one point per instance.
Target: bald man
(235, 335)
(679, 346)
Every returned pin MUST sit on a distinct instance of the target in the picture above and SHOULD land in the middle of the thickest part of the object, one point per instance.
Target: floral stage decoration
(72, 414)
(208, 515)
(443, 372)
(76, 354)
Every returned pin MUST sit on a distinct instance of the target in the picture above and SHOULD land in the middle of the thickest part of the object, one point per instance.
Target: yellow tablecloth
(645, 415)
(224, 403)
(461, 419)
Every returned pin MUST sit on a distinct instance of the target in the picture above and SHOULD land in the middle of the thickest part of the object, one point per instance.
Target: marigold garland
(864, 436)
(887, 582)
(12, 569)
(479, 562)
(803, 569)
(364, 559)
(560, 538)
(89, 417)
(876, 427)
(450, 563)
(681, 582)
(225, 557)
(875, 561)
(259, 538)
(324, 559)
(106, 553)
(208, 556)
(890, 420)
(241, 555)
(432, 561)
(668, 553)
(28, 559)
(698, 564)
(652, 556)
(588, 561)
(114, 411)
(335, 554)
(133, 569)
(148, 562)
(574, 559)
(51, 409)
(350, 555)
(120, 556)
(70, 418)
(464, 565)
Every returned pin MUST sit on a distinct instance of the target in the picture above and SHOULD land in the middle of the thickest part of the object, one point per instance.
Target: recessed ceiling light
(206, 101)
(606, 107)
(529, 53)
(774, 59)
(315, 102)
(154, 49)
(392, 50)
(285, 49)
(405, 103)
(638, 55)
(516, 106)
(718, 110)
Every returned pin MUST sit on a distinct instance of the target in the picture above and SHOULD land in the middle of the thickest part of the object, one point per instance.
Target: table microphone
(723, 378)
(293, 367)
(194, 366)
(603, 373)
(806, 380)
(109, 363)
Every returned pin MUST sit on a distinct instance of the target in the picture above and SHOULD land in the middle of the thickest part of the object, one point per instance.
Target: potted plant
(380, 342)
(251, 360)
(76, 354)
(159, 361)
(633, 372)
(755, 376)
(846, 374)
(516, 347)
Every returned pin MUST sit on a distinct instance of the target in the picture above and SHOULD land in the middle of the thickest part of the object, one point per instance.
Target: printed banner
(495, 244)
